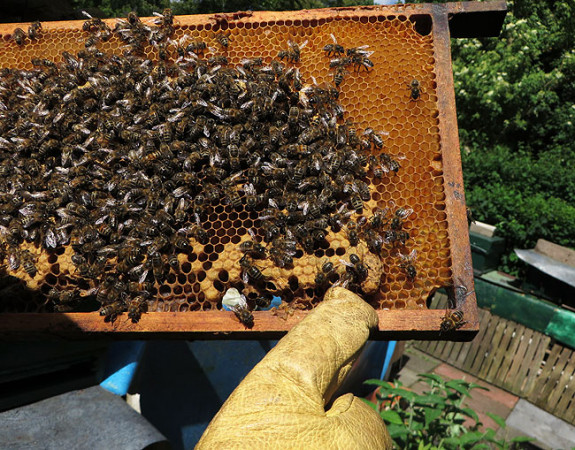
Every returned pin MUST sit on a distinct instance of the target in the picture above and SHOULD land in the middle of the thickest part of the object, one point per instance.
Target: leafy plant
(437, 418)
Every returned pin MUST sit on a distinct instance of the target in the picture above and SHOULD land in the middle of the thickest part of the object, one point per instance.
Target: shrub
(435, 419)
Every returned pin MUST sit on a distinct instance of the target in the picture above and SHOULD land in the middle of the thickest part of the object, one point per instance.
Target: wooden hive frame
(466, 19)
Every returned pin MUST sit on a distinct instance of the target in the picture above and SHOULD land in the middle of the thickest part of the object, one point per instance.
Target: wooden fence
(520, 360)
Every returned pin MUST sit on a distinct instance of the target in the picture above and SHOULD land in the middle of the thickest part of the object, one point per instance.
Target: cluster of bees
(122, 159)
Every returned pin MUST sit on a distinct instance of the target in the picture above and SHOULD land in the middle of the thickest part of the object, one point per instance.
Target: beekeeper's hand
(281, 402)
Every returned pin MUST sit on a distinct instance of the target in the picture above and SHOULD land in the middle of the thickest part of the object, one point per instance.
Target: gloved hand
(280, 403)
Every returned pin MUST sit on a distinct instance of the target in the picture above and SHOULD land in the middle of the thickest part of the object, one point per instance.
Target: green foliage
(435, 419)
(516, 113)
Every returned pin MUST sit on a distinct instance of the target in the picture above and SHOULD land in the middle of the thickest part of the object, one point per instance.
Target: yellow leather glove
(280, 403)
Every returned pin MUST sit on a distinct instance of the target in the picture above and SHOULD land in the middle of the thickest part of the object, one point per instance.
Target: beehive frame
(433, 20)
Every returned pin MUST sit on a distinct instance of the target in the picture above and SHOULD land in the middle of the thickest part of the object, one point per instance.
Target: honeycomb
(378, 98)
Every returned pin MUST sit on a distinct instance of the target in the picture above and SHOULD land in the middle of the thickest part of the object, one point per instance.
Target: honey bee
(408, 263)
(415, 88)
(378, 218)
(400, 215)
(453, 320)
(339, 75)
(373, 240)
(324, 273)
(197, 232)
(223, 39)
(293, 52)
(356, 202)
(333, 49)
(340, 62)
(252, 248)
(157, 266)
(356, 270)
(112, 311)
(237, 302)
(352, 233)
(69, 296)
(394, 237)
(282, 250)
(388, 163)
(374, 137)
(233, 198)
(18, 36)
(28, 263)
(136, 307)
(249, 270)
(34, 30)
(164, 20)
(360, 60)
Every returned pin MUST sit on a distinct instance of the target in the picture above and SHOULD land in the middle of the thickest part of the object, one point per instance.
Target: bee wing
(405, 213)
(412, 255)
(87, 15)
(303, 44)
(50, 239)
(333, 38)
(346, 263)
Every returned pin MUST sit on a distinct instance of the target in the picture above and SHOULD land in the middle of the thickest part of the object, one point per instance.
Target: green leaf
(376, 382)
(431, 414)
(456, 385)
(471, 438)
(430, 399)
(391, 417)
(497, 419)
(470, 413)
(431, 376)
(370, 404)
(524, 439)
(397, 431)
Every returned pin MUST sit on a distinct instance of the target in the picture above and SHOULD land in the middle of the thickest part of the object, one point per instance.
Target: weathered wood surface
(517, 359)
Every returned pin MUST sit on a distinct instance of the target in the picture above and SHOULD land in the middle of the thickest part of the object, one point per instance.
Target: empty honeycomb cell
(188, 289)
(165, 290)
(51, 280)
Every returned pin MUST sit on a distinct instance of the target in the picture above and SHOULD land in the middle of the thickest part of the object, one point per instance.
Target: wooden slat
(423, 345)
(499, 354)
(432, 347)
(569, 415)
(554, 377)
(481, 367)
(457, 346)
(511, 354)
(566, 404)
(479, 343)
(444, 355)
(563, 387)
(529, 370)
(459, 362)
(545, 374)
(510, 379)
